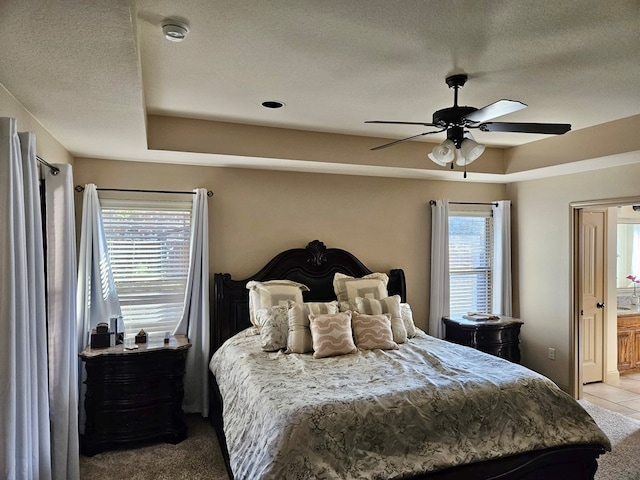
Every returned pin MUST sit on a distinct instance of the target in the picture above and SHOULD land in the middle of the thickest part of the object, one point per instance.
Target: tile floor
(623, 398)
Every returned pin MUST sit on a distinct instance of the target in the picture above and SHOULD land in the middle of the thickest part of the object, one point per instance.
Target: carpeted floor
(623, 461)
(199, 458)
(196, 458)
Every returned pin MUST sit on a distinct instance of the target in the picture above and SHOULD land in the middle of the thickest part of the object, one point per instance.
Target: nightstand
(497, 337)
(134, 396)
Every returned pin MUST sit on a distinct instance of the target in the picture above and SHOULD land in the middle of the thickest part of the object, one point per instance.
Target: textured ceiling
(91, 71)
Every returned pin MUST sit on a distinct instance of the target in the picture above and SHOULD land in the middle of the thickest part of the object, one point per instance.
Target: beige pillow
(348, 288)
(332, 334)
(271, 294)
(299, 337)
(371, 306)
(273, 328)
(407, 318)
(373, 331)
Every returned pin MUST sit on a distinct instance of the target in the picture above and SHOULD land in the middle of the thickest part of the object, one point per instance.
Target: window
(149, 249)
(470, 262)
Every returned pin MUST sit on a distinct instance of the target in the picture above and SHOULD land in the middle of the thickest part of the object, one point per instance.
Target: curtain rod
(80, 188)
(433, 202)
(54, 170)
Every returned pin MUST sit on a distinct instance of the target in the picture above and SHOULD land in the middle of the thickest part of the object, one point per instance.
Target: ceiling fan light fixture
(470, 150)
(443, 154)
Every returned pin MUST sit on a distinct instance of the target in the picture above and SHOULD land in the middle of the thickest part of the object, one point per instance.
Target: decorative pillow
(273, 327)
(344, 306)
(371, 306)
(407, 318)
(332, 334)
(272, 293)
(373, 331)
(299, 339)
(348, 288)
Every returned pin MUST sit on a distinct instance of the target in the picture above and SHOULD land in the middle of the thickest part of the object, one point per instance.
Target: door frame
(575, 332)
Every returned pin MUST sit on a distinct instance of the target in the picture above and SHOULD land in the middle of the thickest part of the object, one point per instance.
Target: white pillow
(348, 288)
(274, 327)
(271, 294)
(299, 339)
(372, 306)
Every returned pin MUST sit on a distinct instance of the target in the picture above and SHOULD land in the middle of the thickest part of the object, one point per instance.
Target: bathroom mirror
(628, 249)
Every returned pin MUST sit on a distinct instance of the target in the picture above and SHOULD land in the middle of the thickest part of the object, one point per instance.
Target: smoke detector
(174, 31)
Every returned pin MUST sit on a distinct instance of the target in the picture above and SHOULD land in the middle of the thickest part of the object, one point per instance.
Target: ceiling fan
(457, 121)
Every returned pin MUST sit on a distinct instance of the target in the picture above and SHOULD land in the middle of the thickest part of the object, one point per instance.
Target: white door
(592, 255)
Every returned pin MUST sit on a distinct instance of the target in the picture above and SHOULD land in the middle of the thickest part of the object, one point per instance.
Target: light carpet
(199, 457)
(623, 461)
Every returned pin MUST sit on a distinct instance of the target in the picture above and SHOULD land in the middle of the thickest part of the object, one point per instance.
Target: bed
(427, 409)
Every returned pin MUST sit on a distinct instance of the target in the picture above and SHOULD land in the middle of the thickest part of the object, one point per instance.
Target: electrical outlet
(552, 353)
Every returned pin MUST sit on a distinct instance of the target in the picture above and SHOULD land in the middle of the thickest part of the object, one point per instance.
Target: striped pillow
(348, 288)
(407, 318)
(299, 337)
(373, 331)
(371, 306)
(332, 334)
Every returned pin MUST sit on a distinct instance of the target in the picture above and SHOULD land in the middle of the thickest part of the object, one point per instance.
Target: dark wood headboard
(314, 266)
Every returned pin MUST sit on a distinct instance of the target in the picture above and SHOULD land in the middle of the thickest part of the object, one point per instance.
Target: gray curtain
(439, 296)
(24, 410)
(502, 296)
(97, 298)
(195, 317)
(61, 303)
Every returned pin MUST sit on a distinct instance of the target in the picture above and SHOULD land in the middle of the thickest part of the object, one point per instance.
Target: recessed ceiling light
(273, 104)
(174, 31)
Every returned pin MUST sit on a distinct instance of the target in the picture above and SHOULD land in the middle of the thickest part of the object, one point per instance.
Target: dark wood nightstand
(497, 337)
(134, 396)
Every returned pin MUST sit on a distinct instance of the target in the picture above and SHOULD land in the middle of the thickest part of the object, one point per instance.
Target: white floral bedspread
(385, 414)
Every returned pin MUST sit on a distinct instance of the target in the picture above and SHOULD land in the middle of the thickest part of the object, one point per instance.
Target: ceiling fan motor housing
(452, 116)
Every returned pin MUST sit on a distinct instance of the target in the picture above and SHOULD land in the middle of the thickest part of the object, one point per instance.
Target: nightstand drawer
(133, 422)
(133, 393)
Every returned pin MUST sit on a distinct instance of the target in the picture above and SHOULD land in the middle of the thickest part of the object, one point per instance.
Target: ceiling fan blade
(379, 147)
(545, 128)
(496, 109)
(402, 123)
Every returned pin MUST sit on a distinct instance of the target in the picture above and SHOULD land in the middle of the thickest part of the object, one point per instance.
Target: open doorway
(595, 287)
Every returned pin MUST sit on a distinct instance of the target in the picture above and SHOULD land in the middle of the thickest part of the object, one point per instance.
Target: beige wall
(386, 222)
(542, 263)
(47, 147)
(255, 214)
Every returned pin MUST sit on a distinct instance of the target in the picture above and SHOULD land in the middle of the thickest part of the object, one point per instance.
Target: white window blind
(149, 249)
(470, 262)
